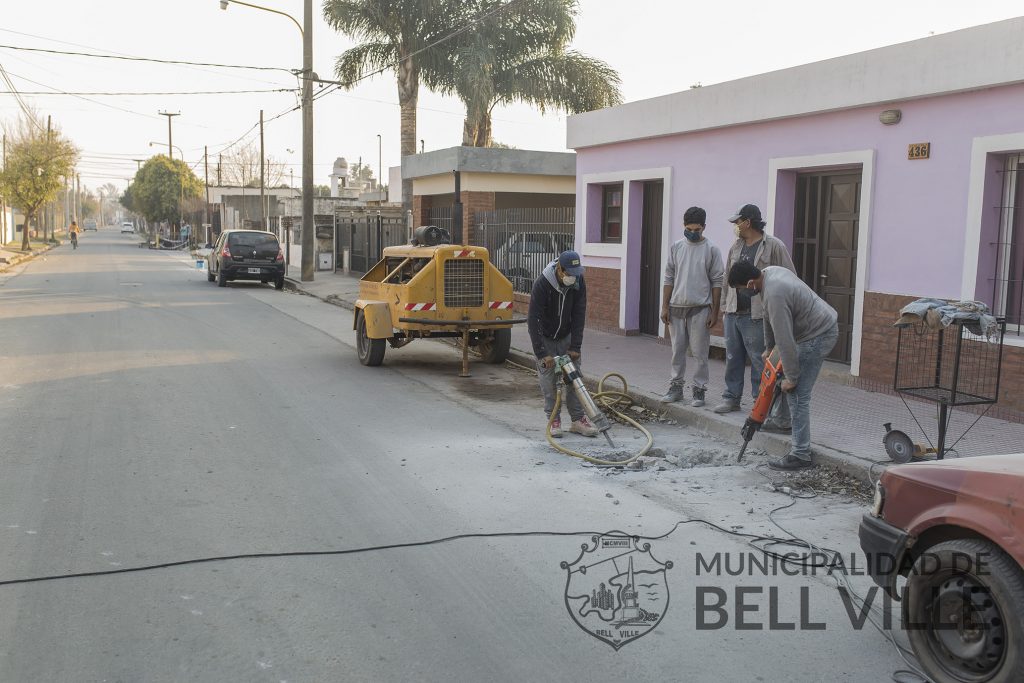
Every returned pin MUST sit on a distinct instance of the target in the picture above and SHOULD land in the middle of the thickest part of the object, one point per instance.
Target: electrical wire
(144, 59)
(170, 92)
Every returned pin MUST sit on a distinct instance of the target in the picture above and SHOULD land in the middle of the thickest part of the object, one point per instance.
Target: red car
(955, 529)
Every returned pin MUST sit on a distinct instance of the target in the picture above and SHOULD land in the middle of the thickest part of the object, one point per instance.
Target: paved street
(151, 417)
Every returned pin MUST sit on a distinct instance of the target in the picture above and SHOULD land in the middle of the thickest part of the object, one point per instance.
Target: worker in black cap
(558, 312)
(744, 314)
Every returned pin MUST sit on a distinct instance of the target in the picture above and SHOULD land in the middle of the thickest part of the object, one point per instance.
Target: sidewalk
(11, 254)
(846, 421)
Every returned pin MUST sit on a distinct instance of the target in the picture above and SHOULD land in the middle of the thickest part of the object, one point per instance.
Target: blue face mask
(691, 235)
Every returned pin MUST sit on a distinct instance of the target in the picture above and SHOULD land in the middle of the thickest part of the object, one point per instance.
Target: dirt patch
(820, 480)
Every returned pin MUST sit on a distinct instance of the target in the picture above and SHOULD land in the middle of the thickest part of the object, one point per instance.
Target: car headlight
(879, 502)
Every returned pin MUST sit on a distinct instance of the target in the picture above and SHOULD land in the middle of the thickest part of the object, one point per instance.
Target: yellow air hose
(607, 400)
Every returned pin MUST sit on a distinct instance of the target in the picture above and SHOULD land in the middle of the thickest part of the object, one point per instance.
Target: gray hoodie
(693, 270)
(793, 313)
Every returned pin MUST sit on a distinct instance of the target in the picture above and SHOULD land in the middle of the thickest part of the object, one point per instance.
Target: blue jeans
(811, 355)
(744, 338)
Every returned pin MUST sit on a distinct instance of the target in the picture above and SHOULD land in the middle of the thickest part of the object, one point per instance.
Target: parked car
(955, 529)
(128, 227)
(524, 255)
(90, 224)
(246, 255)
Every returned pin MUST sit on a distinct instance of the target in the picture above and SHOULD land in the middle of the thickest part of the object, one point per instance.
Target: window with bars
(1008, 279)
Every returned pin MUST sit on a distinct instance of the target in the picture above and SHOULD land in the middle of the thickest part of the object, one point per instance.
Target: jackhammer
(574, 379)
(771, 387)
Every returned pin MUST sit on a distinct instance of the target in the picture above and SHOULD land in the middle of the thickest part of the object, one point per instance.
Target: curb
(773, 444)
(22, 257)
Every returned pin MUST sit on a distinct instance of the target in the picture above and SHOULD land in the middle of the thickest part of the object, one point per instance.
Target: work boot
(582, 426)
(675, 392)
(556, 427)
(698, 397)
(790, 462)
(727, 406)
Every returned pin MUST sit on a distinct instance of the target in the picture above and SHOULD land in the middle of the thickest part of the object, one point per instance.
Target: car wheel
(279, 283)
(371, 351)
(964, 601)
(493, 346)
(222, 281)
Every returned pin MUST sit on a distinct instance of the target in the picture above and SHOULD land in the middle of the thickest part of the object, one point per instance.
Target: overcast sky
(657, 46)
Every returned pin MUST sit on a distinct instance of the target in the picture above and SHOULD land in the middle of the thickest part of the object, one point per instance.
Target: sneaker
(556, 428)
(727, 406)
(675, 392)
(790, 462)
(698, 397)
(583, 426)
(771, 425)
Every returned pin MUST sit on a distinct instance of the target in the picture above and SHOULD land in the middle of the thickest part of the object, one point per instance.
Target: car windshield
(252, 239)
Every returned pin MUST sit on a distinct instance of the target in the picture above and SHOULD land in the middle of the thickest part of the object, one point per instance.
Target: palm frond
(354, 63)
(570, 81)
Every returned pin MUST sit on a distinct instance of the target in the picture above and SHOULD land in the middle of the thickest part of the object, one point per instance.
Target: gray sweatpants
(550, 379)
(690, 333)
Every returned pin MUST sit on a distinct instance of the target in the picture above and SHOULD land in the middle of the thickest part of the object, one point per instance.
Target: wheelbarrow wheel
(493, 346)
(371, 351)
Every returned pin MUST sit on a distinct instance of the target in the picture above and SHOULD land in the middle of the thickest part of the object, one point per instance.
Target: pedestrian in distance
(691, 297)
(744, 313)
(558, 312)
(73, 231)
(804, 328)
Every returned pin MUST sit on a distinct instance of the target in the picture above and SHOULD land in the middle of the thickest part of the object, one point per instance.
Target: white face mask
(569, 280)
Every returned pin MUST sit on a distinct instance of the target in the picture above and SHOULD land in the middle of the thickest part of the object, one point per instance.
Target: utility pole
(169, 116)
(220, 160)
(380, 170)
(308, 265)
(78, 195)
(263, 180)
(138, 164)
(206, 207)
(3, 200)
(48, 219)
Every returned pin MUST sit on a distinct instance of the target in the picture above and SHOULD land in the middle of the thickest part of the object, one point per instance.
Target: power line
(86, 99)
(172, 92)
(147, 59)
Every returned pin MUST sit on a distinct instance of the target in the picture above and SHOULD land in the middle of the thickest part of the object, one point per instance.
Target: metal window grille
(463, 283)
(1008, 279)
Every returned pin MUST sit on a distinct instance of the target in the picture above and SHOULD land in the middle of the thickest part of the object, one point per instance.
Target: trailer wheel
(371, 351)
(493, 346)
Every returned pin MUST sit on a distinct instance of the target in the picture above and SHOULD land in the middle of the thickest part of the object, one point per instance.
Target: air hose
(608, 400)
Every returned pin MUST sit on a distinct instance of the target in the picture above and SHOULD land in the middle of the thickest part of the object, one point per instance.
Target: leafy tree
(161, 188)
(37, 163)
(517, 53)
(398, 35)
(361, 175)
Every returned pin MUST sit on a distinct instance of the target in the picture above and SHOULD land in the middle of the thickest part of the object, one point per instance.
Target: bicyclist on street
(73, 231)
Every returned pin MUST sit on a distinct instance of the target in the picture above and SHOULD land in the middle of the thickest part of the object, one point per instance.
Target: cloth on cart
(936, 313)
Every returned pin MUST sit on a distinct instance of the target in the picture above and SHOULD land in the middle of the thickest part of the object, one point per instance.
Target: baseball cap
(570, 263)
(747, 211)
(695, 214)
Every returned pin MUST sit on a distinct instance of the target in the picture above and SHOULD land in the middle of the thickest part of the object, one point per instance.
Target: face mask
(736, 229)
(569, 280)
(691, 235)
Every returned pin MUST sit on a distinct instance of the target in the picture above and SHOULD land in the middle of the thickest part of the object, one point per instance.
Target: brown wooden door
(650, 257)
(825, 245)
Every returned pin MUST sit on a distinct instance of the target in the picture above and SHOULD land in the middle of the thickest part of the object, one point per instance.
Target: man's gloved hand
(574, 355)
(788, 386)
(547, 362)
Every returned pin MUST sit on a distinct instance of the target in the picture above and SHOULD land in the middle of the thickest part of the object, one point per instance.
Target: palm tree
(397, 35)
(517, 54)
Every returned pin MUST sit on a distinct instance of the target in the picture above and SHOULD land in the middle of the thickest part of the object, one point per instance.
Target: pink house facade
(890, 174)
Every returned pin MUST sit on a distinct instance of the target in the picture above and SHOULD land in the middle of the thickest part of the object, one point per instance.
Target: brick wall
(878, 356)
(603, 299)
(420, 205)
(471, 203)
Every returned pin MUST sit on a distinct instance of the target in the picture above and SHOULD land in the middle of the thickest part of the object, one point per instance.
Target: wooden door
(650, 257)
(825, 245)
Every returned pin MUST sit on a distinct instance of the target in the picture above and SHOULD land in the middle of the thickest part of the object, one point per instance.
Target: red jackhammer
(771, 387)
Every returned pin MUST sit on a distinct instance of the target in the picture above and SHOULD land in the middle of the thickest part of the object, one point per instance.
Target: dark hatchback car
(246, 255)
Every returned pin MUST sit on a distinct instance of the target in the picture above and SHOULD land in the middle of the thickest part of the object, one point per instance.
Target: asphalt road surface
(150, 417)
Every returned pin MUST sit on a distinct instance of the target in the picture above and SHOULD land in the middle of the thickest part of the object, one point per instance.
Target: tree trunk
(24, 232)
(408, 93)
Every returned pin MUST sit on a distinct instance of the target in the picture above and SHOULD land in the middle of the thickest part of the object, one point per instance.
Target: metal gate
(366, 235)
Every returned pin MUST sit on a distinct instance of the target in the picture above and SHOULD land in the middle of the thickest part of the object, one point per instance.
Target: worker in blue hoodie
(558, 312)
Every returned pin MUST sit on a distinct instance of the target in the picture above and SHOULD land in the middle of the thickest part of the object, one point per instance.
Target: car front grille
(463, 283)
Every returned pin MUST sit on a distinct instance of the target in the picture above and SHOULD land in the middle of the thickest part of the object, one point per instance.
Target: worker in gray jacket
(744, 327)
(691, 296)
(804, 328)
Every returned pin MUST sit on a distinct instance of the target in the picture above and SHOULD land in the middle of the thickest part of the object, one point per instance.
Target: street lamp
(306, 30)
(380, 169)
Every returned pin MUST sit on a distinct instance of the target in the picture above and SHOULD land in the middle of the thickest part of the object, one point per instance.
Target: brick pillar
(471, 203)
(421, 204)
